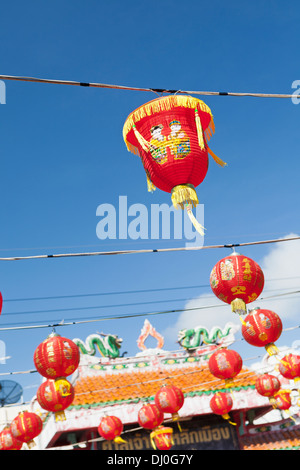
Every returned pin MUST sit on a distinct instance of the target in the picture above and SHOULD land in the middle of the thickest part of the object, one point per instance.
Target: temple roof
(144, 381)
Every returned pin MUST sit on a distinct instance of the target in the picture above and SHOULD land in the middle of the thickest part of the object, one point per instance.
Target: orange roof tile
(273, 440)
(129, 384)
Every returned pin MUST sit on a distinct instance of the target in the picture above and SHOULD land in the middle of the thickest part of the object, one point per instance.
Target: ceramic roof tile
(272, 440)
(145, 383)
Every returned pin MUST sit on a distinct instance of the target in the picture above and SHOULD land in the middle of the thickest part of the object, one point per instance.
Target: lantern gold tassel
(227, 417)
(184, 194)
(150, 185)
(199, 130)
(119, 440)
(198, 227)
(271, 349)
(216, 159)
(143, 142)
(238, 306)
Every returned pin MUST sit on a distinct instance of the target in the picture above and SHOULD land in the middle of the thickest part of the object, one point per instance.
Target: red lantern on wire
(221, 404)
(289, 367)
(150, 416)
(262, 328)
(170, 136)
(237, 280)
(111, 428)
(56, 396)
(162, 438)
(8, 441)
(26, 426)
(56, 357)
(282, 400)
(225, 364)
(169, 399)
(267, 385)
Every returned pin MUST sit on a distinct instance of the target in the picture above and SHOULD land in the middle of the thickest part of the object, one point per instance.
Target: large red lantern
(170, 135)
(8, 441)
(162, 438)
(237, 280)
(55, 396)
(262, 328)
(150, 416)
(56, 357)
(221, 404)
(282, 400)
(110, 428)
(289, 367)
(225, 364)
(169, 399)
(26, 426)
(267, 385)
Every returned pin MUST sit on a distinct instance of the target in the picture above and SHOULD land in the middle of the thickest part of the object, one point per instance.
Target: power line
(131, 315)
(137, 291)
(153, 90)
(145, 251)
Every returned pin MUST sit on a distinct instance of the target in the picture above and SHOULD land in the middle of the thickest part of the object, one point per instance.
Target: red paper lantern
(8, 441)
(267, 385)
(110, 428)
(225, 364)
(1, 303)
(56, 357)
(56, 396)
(282, 400)
(237, 280)
(289, 367)
(162, 438)
(169, 399)
(170, 135)
(26, 426)
(221, 404)
(262, 328)
(150, 416)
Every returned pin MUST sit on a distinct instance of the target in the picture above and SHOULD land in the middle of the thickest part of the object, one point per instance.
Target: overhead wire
(130, 315)
(145, 251)
(153, 90)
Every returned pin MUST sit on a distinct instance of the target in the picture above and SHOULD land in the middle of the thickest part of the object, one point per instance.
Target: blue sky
(62, 155)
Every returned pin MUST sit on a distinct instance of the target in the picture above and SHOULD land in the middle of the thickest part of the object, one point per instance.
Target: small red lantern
(221, 404)
(289, 367)
(56, 357)
(110, 428)
(282, 400)
(1, 303)
(262, 328)
(169, 399)
(8, 441)
(237, 280)
(26, 426)
(162, 438)
(225, 364)
(150, 416)
(56, 396)
(267, 385)
(170, 136)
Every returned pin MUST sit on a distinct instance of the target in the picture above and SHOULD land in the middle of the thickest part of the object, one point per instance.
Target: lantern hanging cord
(153, 90)
(158, 250)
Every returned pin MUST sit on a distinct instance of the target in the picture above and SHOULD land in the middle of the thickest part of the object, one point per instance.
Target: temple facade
(108, 384)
